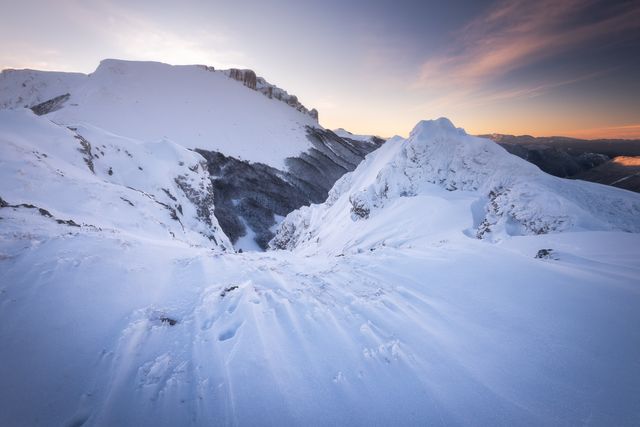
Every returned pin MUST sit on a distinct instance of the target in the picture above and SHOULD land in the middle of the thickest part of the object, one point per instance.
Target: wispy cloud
(517, 33)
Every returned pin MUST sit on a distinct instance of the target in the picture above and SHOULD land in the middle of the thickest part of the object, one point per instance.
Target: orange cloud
(516, 33)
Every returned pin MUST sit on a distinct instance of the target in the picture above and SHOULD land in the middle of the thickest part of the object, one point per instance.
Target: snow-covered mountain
(442, 282)
(156, 190)
(441, 181)
(269, 145)
(194, 106)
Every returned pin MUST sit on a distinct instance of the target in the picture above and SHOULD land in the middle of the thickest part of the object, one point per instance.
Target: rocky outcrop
(51, 105)
(247, 77)
(259, 84)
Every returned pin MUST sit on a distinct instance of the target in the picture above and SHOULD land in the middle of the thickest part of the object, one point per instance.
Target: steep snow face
(442, 182)
(192, 105)
(85, 177)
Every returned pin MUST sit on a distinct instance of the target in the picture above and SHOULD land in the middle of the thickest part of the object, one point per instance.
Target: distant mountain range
(606, 161)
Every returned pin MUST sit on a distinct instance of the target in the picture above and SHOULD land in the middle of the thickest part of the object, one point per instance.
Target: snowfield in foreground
(412, 297)
(460, 332)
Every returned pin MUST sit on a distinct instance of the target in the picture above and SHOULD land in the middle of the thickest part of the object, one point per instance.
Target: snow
(441, 182)
(26, 88)
(460, 332)
(190, 105)
(346, 134)
(247, 242)
(132, 189)
(398, 312)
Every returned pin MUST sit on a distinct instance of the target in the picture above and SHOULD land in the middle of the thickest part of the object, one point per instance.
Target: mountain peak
(428, 128)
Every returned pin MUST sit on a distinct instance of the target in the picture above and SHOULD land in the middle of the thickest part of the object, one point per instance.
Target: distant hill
(590, 160)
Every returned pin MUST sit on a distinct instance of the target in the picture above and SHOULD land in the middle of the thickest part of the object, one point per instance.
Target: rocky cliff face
(252, 81)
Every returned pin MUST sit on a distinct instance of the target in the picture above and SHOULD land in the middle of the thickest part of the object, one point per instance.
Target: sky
(544, 67)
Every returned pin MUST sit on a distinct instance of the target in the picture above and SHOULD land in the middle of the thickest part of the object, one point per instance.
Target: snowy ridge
(104, 182)
(505, 195)
(188, 104)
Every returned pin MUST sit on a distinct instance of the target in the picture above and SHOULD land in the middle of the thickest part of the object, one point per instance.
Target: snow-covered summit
(442, 181)
(195, 106)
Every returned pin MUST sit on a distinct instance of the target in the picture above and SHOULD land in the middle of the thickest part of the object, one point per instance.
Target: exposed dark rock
(545, 254)
(253, 193)
(247, 77)
(51, 105)
(168, 320)
(359, 207)
(168, 193)
(250, 80)
(85, 150)
(226, 290)
(45, 213)
(128, 201)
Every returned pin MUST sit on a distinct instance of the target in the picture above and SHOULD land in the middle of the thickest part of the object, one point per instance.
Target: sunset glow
(543, 68)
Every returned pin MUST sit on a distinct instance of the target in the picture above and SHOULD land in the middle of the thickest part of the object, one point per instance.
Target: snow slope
(154, 190)
(451, 284)
(193, 106)
(454, 333)
(442, 182)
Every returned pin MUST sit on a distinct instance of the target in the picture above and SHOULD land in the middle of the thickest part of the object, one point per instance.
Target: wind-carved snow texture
(454, 333)
(508, 196)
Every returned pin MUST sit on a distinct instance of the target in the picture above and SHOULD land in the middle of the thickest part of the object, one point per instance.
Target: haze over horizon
(546, 68)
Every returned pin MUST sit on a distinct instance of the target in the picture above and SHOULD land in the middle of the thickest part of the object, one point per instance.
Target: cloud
(129, 35)
(517, 33)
